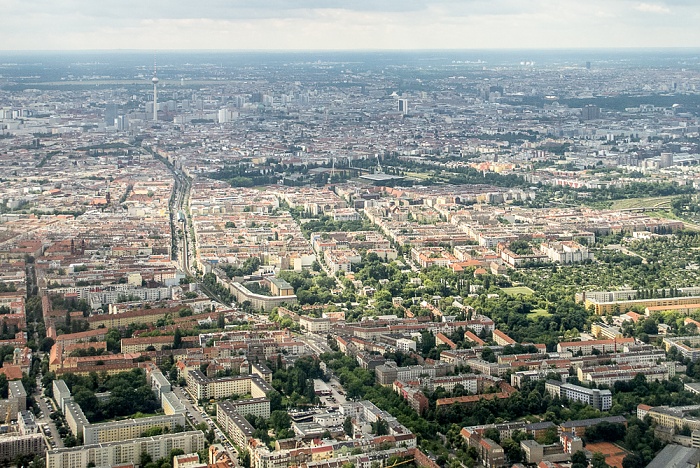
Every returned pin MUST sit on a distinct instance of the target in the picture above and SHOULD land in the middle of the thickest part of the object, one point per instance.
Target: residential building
(202, 387)
(314, 325)
(129, 428)
(125, 451)
(599, 399)
(13, 444)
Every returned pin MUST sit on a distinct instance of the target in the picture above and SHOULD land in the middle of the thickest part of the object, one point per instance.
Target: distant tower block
(403, 106)
(666, 160)
(590, 112)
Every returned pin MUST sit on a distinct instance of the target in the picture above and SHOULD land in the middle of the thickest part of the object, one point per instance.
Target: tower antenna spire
(155, 80)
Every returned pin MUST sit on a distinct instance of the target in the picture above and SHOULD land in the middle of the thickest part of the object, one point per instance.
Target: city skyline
(314, 25)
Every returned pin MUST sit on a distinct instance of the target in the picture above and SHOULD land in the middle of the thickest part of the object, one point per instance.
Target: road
(336, 388)
(197, 418)
(316, 343)
(195, 413)
(409, 262)
(183, 248)
(46, 420)
(181, 187)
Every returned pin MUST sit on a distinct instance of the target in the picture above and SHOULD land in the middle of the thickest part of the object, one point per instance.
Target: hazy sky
(347, 24)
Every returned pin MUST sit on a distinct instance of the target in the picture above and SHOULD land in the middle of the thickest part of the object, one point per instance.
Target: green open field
(417, 175)
(514, 291)
(649, 202)
(538, 313)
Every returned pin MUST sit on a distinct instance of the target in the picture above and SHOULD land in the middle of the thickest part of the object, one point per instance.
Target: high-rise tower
(155, 80)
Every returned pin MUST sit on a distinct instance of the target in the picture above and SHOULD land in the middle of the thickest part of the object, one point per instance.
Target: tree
(512, 450)
(145, 459)
(347, 426)
(598, 461)
(113, 339)
(177, 339)
(380, 427)
(488, 355)
(46, 344)
(244, 459)
(633, 460)
(220, 320)
(280, 420)
(605, 431)
(3, 386)
(427, 342)
(493, 434)
(578, 460)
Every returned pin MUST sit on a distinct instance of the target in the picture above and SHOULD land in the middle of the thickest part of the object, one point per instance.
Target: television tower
(155, 80)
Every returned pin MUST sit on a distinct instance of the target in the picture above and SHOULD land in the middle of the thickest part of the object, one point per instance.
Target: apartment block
(675, 417)
(502, 339)
(578, 427)
(608, 375)
(262, 371)
(387, 373)
(129, 428)
(136, 345)
(490, 453)
(12, 445)
(234, 423)
(60, 393)
(587, 347)
(202, 387)
(599, 399)
(259, 407)
(172, 404)
(687, 346)
(124, 452)
(74, 417)
(314, 325)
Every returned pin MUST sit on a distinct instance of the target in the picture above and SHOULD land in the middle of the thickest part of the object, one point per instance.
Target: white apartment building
(129, 428)
(202, 387)
(566, 252)
(599, 399)
(314, 325)
(341, 260)
(124, 452)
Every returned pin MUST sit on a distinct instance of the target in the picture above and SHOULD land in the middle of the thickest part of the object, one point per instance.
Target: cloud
(652, 8)
(347, 24)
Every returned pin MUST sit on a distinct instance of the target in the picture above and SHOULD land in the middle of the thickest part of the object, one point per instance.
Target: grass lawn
(418, 175)
(514, 291)
(538, 313)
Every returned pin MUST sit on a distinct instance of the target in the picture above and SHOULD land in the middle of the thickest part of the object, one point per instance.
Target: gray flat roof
(380, 177)
(675, 456)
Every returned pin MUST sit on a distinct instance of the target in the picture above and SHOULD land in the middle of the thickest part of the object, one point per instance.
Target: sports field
(514, 291)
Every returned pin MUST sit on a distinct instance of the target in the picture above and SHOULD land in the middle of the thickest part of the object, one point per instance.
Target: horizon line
(498, 49)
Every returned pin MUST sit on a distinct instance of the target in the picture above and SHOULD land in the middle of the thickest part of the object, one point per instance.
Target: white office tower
(122, 122)
(403, 106)
(224, 116)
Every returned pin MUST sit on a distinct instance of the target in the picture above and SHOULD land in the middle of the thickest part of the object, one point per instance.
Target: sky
(347, 24)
